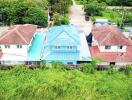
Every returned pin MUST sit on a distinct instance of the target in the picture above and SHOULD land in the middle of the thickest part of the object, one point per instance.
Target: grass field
(21, 83)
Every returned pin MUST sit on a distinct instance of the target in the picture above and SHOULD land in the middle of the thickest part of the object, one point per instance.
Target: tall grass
(21, 83)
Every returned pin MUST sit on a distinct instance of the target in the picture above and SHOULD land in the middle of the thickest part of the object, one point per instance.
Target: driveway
(77, 18)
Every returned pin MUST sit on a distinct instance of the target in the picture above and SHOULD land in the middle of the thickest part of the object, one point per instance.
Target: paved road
(77, 18)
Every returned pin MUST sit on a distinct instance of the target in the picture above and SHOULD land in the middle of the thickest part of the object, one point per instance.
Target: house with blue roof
(65, 44)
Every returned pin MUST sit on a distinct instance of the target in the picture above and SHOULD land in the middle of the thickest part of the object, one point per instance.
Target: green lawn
(59, 84)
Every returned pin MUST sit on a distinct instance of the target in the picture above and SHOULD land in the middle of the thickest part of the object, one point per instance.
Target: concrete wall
(12, 62)
(113, 49)
(116, 63)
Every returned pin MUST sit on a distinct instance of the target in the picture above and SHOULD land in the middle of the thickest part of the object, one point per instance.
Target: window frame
(19, 46)
(69, 63)
(69, 47)
(120, 47)
(107, 47)
(57, 47)
(7, 46)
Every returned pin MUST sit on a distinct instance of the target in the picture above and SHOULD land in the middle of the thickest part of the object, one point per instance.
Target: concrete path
(77, 18)
(119, 7)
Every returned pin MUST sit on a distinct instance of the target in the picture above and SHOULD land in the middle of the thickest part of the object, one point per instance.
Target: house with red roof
(111, 45)
(15, 43)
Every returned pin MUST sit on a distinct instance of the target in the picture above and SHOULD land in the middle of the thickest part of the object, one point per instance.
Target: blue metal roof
(62, 56)
(63, 34)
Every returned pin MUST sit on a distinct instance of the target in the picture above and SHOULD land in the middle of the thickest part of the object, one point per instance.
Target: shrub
(65, 20)
(111, 70)
(42, 64)
(58, 65)
(88, 68)
(128, 70)
(57, 18)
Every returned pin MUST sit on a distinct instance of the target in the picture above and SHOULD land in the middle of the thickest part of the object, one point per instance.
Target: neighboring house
(111, 45)
(15, 43)
(128, 30)
(103, 22)
(66, 44)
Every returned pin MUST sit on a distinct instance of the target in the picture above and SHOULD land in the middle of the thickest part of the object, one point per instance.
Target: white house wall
(94, 42)
(14, 50)
(113, 49)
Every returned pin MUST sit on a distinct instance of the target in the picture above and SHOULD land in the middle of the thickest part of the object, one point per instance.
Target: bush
(128, 70)
(58, 65)
(111, 70)
(65, 20)
(88, 68)
(56, 84)
(57, 18)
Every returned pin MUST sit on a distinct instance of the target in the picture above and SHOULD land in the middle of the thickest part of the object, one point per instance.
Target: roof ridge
(21, 36)
(7, 33)
(108, 34)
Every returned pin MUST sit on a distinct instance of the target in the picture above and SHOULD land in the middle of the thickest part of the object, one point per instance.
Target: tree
(57, 18)
(94, 8)
(60, 6)
(36, 15)
(23, 11)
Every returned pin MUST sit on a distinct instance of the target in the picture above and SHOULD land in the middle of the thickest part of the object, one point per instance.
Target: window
(107, 47)
(0, 49)
(70, 63)
(57, 47)
(69, 47)
(120, 47)
(112, 63)
(19, 46)
(7, 46)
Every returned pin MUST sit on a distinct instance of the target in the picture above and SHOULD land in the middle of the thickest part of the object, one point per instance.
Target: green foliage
(54, 83)
(24, 11)
(88, 68)
(97, 9)
(111, 70)
(58, 65)
(117, 2)
(94, 8)
(128, 70)
(57, 18)
(60, 6)
(43, 64)
(36, 16)
(109, 2)
(65, 20)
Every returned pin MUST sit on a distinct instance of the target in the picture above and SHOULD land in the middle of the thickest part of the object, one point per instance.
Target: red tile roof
(18, 34)
(112, 56)
(109, 35)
